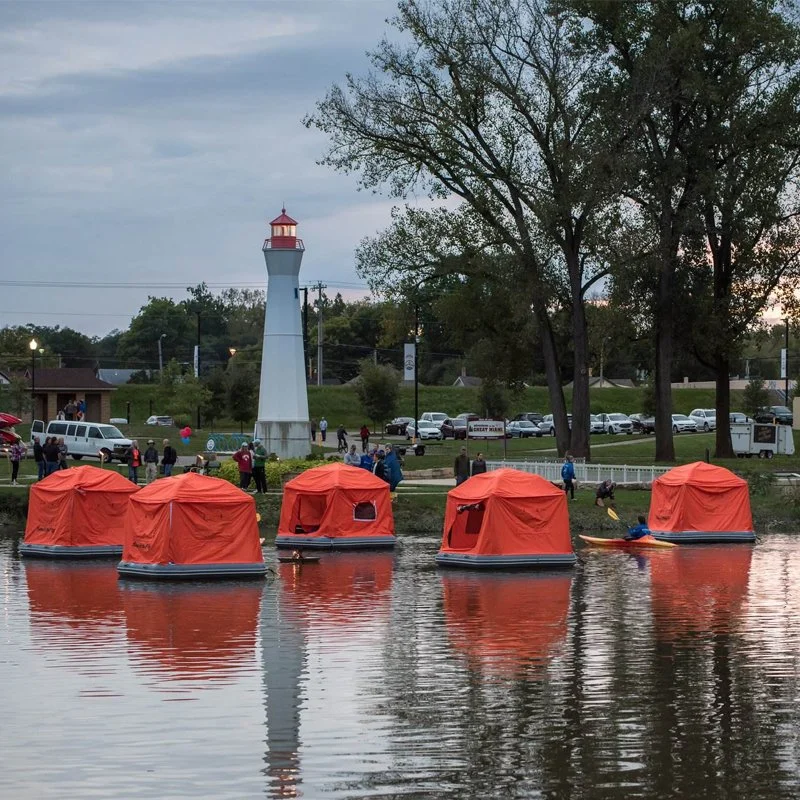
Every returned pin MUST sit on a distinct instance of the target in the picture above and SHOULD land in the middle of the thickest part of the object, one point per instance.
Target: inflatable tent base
(130, 569)
(70, 551)
(505, 562)
(335, 542)
(704, 537)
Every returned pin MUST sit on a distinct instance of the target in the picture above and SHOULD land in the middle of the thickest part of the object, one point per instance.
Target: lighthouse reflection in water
(667, 674)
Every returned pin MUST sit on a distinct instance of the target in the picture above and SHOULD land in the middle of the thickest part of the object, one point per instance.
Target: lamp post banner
(409, 361)
(486, 429)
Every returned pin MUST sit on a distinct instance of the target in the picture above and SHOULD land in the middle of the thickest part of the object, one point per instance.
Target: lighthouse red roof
(283, 219)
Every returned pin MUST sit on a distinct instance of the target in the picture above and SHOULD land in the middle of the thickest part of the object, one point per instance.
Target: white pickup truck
(761, 439)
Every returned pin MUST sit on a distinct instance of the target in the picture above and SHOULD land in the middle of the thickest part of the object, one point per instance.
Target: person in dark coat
(380, 467)
(461, 467)
(392, 465)
(38, 457)
(169, 458)
(478, 465)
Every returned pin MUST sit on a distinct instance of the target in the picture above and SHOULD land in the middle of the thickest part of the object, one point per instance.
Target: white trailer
(761, 439)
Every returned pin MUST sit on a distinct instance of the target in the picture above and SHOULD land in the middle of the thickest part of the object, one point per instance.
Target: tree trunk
(724, 447)
(579, 439)
(665, 447)
(553, 375)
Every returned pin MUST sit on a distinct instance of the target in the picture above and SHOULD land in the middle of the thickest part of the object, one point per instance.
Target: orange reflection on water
(507, 624)
(350, 589)
(198, 632)
(699, 589)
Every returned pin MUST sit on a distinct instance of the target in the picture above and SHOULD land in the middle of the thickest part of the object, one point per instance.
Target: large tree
(492, 103)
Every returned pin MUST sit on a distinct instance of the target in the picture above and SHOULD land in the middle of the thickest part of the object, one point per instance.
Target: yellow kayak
(645, 541)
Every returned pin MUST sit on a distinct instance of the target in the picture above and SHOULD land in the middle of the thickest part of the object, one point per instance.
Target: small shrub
(761, 483)
(275, 470)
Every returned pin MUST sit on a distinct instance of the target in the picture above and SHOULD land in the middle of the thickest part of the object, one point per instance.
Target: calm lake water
(662, 675)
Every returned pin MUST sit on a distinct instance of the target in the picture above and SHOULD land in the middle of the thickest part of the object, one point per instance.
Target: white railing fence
(585, 473)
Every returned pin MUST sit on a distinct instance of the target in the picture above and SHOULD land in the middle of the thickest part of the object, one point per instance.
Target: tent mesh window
(365, 512)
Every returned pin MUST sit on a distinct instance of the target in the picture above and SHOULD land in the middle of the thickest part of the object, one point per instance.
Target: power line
(114, 285)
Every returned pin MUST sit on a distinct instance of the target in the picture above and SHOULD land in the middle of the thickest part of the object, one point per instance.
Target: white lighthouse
(282, 423)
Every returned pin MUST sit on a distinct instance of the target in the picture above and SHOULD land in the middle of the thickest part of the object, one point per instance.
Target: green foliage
(216, 382)
(377, 391)
(494, 399)
(274, 469)
(755, 396)
(180, 394)
(761, 483)
(648, 404)
(242, 393)
(15, 397)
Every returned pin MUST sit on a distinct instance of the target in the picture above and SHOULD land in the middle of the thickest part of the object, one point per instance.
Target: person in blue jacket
(392, 465)
(638, 531)
(568, 476)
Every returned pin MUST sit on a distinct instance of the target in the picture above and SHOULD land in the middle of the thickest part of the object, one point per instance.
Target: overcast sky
(152, 142)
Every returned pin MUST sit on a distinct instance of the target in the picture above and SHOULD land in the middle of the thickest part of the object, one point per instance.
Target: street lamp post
(160, 357)
(416, 372)
(33, 344)
(786, 369)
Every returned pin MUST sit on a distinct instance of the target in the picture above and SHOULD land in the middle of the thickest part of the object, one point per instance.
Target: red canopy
(192, 519)
(8, 420)
(514, 513)
(182, 632)
(700, 497)
(338, 501)
(80, 506)
(507, 624)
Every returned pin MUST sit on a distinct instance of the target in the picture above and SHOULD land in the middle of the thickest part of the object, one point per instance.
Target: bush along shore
(420, 510)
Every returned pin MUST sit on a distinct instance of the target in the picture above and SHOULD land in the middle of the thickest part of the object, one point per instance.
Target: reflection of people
(605, 492)
(638, 531)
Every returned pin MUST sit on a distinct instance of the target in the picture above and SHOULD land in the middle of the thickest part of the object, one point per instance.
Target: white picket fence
(585, 473)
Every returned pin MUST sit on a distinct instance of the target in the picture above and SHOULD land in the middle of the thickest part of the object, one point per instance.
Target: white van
(84, 438)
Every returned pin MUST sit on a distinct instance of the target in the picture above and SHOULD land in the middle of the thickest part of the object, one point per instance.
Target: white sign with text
(486, 429)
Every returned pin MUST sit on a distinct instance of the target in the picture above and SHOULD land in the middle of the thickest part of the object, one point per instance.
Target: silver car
(705, 418)
(616, 423)
(596, 424)
(424, 429)
(683, 424)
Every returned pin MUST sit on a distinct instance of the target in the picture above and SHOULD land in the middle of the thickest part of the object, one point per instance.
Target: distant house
(5, 378)
(116, 377)
(599, 382)
(54, 388)
(467, 382)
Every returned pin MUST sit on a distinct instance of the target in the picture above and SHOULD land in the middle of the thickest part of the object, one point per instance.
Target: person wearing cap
(169, 458)
(260, 466)
(150, 462)
(461, 467)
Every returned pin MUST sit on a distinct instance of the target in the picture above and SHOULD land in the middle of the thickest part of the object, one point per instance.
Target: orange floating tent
(506, 518)
(336, 506)
(701, 503)
(507, 625)
(190, 632)
(698, 590)
(192, 526)
(77, 512)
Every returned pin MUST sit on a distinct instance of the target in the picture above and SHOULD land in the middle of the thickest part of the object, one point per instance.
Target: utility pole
(197, 363)
(786, 364)
(305, 325)
(319, 286)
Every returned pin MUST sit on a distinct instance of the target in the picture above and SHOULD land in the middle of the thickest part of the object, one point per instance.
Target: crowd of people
(74, 410)
(384, 462)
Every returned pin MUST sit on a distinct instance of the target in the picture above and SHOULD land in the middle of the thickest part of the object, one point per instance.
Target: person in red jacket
(244, 459)
(365, 434)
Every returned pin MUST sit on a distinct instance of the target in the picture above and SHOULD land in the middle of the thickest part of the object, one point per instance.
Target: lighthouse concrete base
(285, 439)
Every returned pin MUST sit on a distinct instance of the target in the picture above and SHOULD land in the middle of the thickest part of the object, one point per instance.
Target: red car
(454, 428)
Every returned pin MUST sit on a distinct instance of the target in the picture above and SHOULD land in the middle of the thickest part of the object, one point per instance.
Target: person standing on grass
(244, 461)
(150, 462)
(260, 466)
(394, 474)
(133, 458)
(16, 455)
(38, 457)
(50, 451)
(169, 459)
(323, 428)
(568, 476)
(478, 465)
(63, 452)
(461, 467)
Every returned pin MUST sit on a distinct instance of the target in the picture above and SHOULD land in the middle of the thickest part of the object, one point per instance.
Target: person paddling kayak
(638, 531)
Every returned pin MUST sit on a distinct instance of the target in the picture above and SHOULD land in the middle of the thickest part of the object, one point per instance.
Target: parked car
(780, 415)
(469, 416)
(596, 424)
(424, 429)
(642, 423)
(397, 427)
(522, 429)
(738, 416)
(84, 438)
(455, 428)
(706, 418)
(548, 427)
(532, 416)
(436, 417)
(683, 424)
(166, 421)
(616, 423)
